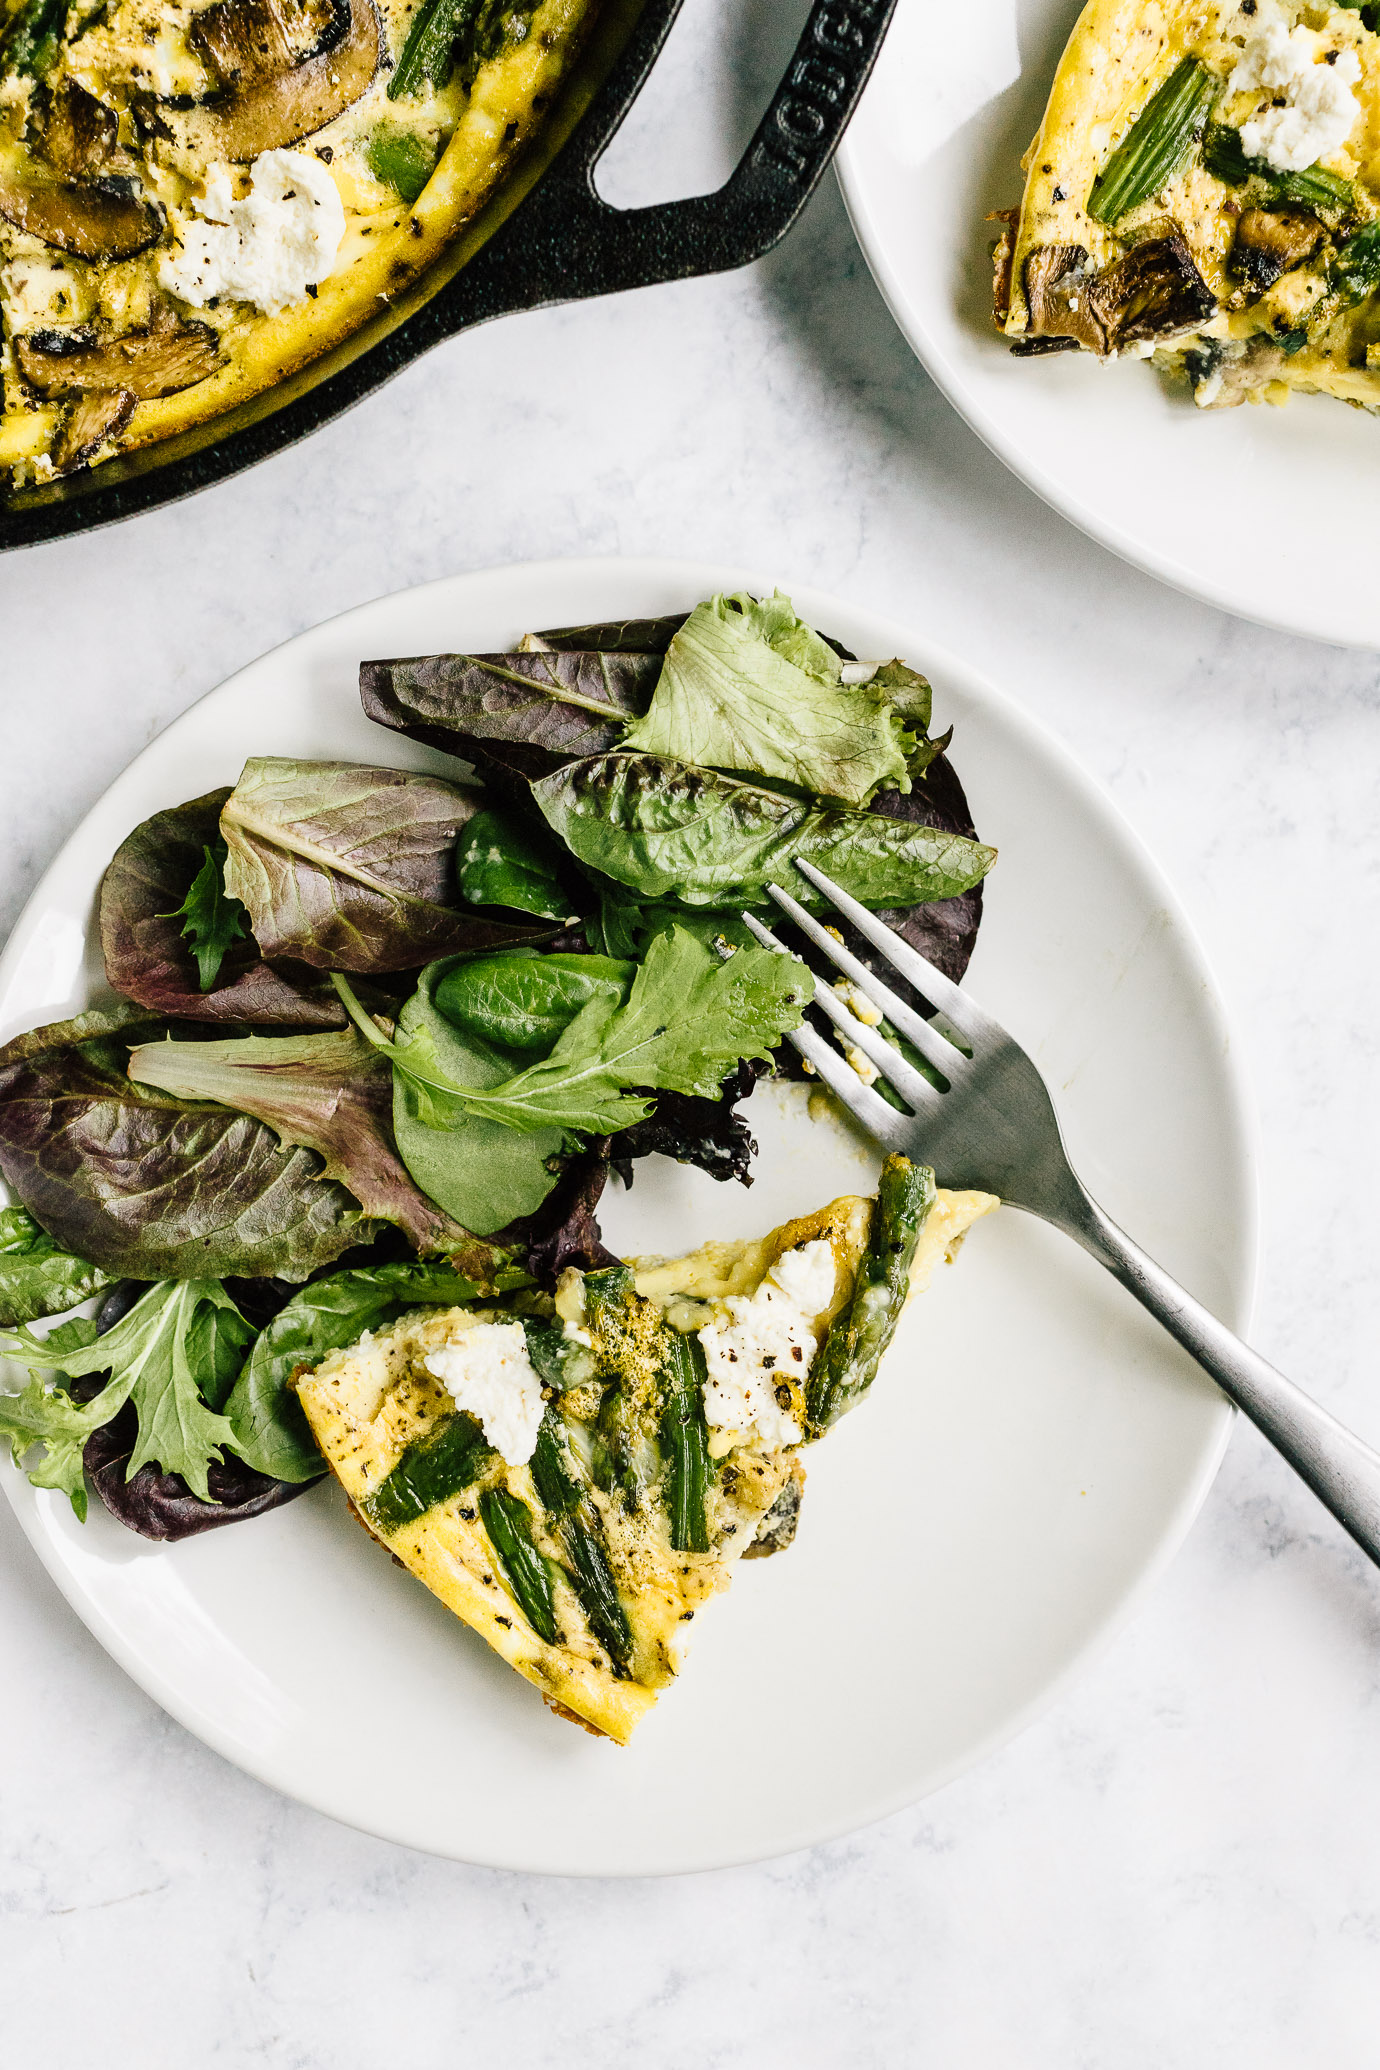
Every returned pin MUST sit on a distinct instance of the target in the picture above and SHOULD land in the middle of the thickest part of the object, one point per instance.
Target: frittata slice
(1205, 190)
(575, 1477)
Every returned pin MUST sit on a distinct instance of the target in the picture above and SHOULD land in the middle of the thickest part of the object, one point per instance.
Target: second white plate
(1271, 513)
(1033, 1450)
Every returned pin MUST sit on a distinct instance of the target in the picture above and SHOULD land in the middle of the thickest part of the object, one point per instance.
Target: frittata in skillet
(197, 200)
(574, 1478)
(1205, 190)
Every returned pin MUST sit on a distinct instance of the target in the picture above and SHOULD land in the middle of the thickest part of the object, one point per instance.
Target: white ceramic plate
(1273, 513)
(1032, 1452)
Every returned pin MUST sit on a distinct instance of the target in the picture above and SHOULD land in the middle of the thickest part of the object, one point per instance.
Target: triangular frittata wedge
(1205, 190)
(575, 1477)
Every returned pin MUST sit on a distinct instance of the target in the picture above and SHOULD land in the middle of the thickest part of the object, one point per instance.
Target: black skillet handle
(564, 243)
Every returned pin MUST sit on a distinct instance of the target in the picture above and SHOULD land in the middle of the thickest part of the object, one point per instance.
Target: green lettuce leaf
(270, 1429)
(688, 1020)
(37, 1276)
(749, 686)
(699, 838)
(175, 1352)
(328, 1093)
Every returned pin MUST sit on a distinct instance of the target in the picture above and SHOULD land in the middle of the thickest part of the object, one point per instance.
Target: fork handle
(1343, 1472)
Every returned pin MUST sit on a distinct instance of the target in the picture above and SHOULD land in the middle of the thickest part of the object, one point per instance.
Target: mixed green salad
(376, 1039)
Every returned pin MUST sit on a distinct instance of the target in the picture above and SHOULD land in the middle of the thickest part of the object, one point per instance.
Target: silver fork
(995, 1128)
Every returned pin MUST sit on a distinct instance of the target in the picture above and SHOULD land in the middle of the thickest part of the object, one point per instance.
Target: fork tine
(877, 1115)
(928, 1040)
(887, 1058)
(965, 1014)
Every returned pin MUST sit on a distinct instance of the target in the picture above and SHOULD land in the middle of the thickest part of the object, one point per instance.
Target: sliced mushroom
(1270, 242)
(1154, 291)
(79, 132)
(162, 359)
(105, 219)
(269, 100)
(1226, 372)
(1003, 253)
(1057, 290)
(91, 421)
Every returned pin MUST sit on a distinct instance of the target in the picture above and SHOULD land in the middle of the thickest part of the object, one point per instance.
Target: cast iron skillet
(546, 237)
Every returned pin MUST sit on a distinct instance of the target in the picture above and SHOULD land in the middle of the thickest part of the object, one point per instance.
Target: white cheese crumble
(1319, 111)
(490, 1375)
(768, 1337)
(268, 248)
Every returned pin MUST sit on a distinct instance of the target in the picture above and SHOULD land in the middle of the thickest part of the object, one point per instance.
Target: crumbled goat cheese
(269, 248)
(488, 1372)
(1319, 111)
(767, 1339)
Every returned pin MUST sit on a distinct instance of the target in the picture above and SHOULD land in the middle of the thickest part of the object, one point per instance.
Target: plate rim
(1103, 531)
(28, 1504)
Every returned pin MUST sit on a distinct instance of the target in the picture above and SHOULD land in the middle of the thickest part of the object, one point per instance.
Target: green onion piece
(687, 1444)
(1225, 158)
(847, 1365)
(400, 159)
(430, 1471)
(1355, 272)
(592, 1580)
(508, 1521)
(33, 36)
(429, 52)
(1158, 141)
(1290, 342)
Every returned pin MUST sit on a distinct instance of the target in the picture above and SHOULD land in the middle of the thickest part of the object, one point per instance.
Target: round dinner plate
(1272, 513)
(1033, 1451)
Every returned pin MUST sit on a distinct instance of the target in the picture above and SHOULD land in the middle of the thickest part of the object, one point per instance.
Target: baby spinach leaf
(668, 832)
(160, 1356)
(147, 1186)
(149, 956)
(349, 868)
(688, 1020)
(502, 863)
(523, 1003)
(37, 1276)
(271, 1432)
(750, 687)
(545, 708)
(401, 159)
(480, 1171)
(328, 1093)
(211, 922)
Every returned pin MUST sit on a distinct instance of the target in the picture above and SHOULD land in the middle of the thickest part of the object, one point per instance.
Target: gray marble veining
(1178, 1863)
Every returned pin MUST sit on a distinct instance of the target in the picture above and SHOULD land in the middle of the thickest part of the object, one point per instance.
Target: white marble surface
(1178, 1864)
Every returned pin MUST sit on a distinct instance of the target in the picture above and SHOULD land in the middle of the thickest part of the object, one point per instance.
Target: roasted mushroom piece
(79, 132)
(1154, 291)
(92, 420)
(161, 359)
(1270, 242)
(271, 98)
(103, 219)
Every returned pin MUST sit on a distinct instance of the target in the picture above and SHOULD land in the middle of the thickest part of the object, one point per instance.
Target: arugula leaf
(502, 863)
(270, 1429)
(148, 954)
(689, 1018)
(159, 1356)
(700, 838)
(211, 920)
(37, 1276)
(328, 1093)
(749, 686)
